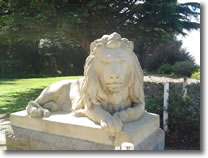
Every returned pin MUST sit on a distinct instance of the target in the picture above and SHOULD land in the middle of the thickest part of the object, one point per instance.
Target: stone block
(62, 131)
(154, 142)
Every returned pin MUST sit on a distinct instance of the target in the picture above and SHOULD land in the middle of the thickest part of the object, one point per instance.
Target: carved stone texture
(111, 92)
(63, 131)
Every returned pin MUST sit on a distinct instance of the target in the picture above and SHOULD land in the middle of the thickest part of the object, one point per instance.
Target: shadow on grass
(19, 100)
(7, 81)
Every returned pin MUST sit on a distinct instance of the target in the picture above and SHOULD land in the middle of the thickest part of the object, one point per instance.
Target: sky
(191, 42)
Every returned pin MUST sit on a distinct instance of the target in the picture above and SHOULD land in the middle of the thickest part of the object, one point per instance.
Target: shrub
(196, 74)
(154, 98)
(184, 113)
(184, 68)
(165, 69)
(184, 118)
(155, 105)
(29, 59)
(168, 53)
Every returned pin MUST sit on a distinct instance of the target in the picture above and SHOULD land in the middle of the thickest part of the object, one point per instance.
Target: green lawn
(16, 93)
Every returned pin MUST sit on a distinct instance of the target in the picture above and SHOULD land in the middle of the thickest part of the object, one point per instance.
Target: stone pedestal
(65, 132)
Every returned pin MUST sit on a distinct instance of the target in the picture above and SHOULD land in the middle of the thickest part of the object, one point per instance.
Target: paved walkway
(4, 123)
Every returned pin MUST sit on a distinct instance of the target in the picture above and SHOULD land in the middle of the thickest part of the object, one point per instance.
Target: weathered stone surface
(35, 140)
(66, 132)
(83, 128)
(154, 142)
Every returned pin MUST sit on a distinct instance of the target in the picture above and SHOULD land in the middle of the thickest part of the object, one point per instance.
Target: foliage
(184, 68)
(196, 74)
(66, 57)
(165, 69)
(154, 98)
(41, 59)
(86, 20)
(183, 114)
(155, 105)
(16, 99)
(167, 53)
(184, 118)
(35, 19)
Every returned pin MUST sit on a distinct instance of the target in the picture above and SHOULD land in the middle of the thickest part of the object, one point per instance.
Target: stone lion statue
(111, 92)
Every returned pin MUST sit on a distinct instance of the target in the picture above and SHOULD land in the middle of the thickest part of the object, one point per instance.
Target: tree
(167, 53)
(146, 22)
(86, 20)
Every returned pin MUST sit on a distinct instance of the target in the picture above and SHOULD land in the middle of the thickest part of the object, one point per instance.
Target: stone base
(34, 140)
(65, 132)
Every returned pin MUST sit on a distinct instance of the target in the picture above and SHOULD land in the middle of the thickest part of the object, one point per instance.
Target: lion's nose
(114, 77)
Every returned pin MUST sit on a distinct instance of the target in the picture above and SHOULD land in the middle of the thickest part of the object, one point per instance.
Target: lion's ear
(131, 45)
(92, 46)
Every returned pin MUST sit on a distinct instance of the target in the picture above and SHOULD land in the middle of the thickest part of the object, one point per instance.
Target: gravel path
(4, 123)
(159, 79)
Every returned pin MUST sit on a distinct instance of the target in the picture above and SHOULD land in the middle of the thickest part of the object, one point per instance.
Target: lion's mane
(92, 86)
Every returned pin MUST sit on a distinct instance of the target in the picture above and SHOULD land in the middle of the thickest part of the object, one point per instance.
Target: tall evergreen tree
(146, 22)
(86, 20)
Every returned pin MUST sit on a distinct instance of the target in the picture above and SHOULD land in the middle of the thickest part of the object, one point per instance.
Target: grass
(16, 93)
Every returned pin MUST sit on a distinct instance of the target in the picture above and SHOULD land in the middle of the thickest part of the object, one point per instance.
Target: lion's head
(113, 74)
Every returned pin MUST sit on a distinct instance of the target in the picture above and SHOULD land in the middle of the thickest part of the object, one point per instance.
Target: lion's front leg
(130, 114)
(111, 124)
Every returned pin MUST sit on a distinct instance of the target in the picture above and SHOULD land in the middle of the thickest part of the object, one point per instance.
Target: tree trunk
(87, 46)
(84, 44)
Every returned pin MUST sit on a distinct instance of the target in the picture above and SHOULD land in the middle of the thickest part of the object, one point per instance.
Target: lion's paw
(35, 110)
(46, 113)
(112, 124)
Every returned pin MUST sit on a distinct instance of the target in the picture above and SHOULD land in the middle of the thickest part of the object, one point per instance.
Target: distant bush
(184, 68)
(165, 69)
(168, 53)
(196, 74)
(57, 58)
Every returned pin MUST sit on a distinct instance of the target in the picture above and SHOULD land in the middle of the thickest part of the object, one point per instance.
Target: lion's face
(114, 67)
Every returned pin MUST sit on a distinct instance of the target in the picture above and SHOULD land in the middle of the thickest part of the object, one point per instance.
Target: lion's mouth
(114, 85)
